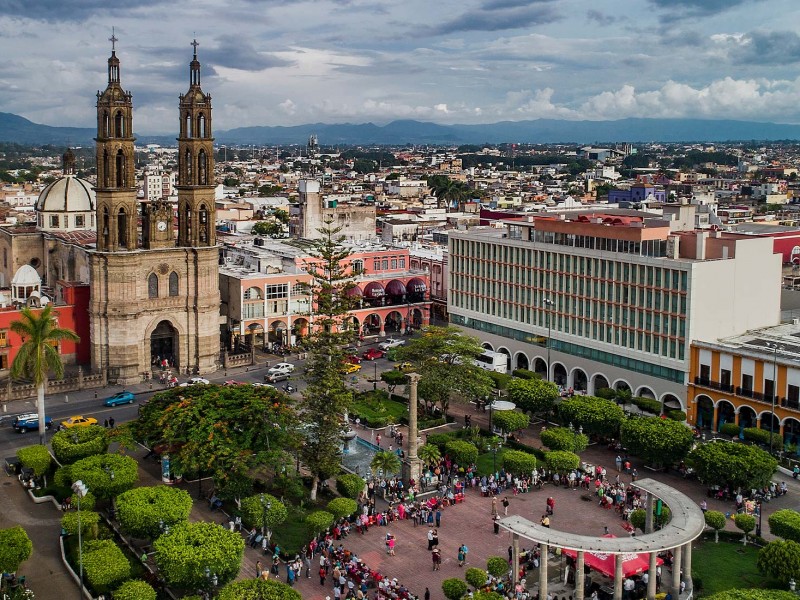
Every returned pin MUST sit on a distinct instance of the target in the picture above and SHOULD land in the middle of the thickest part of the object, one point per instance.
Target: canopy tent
(632, 564)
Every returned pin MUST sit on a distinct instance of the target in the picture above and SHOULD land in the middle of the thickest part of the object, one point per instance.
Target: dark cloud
(72, 10)
(503, 4)
(600, 18)
(679, 9)
(514, 17)
(236, 53)
(768, 48)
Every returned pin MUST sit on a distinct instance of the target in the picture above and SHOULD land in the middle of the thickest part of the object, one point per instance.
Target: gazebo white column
(687, 561)
(618, 577)
(677, 556)
(580, 576)
(514, 559)
(543, 552)
(652, 576)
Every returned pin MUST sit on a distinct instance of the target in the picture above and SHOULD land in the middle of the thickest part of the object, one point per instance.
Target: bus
(492, 361)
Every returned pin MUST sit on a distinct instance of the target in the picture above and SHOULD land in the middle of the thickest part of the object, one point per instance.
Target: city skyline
(336, 61)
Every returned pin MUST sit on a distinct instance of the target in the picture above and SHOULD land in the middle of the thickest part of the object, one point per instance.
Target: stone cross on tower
(113, 39)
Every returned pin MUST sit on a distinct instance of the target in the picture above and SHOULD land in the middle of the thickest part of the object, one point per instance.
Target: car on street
(195, 381)
(257, 384)
(405, 367)
(281, 369)
(351, 368)
(119, 398)
(233, 382)
(78, 421)
(276, 377)
(29, 422)
(373, 354)
(391, 343)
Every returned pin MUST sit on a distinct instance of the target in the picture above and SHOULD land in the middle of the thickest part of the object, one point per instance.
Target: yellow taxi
(351, 368)
(78, 421)
(405, 367)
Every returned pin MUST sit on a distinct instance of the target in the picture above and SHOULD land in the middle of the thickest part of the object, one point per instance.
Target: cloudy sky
(286, 62)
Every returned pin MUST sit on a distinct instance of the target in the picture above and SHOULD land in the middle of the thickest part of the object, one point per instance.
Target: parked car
(373, 354)
(276, 377)
(351, 368)
(391, 343)
(257, 384)
(405, 367)
(353, 359)
(29, 422)
(78, 421)
(233, 382)
(281, 369)
(119, 398)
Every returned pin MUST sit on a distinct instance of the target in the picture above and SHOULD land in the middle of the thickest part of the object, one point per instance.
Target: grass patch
(376, 411)
(486, 462)
(292, 534)
(727, 565)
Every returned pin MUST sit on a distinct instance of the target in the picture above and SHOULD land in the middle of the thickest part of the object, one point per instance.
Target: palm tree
(385, 461)
(429, 454)
(448, 191)
(38, 354)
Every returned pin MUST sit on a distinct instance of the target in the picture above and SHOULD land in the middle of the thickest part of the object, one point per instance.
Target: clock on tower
(157, 229)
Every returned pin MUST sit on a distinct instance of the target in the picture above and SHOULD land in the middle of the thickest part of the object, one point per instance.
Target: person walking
(495, 525)
(505, 506)
(438, 517)
(462, 554)
(391, 543)
(494, 506)
(436, 557)
(111, 422)
(430, 539)
(322, 575)
(435, 541)
(427, 594)
(551, 505)
(634, 473)
(259, 568)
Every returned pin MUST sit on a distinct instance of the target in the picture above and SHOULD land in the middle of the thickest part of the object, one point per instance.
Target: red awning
(632, 564)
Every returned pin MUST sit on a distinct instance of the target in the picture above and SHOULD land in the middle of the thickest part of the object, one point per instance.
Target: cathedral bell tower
(116, 185)
(196, 208)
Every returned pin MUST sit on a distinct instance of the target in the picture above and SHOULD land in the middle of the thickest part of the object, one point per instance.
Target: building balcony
(714, 385)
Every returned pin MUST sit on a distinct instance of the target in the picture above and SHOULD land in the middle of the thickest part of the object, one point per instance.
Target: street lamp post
(375, 376)
(758, 528)
(775, 348)
(549, 303)
(80, 491)
(491, 414)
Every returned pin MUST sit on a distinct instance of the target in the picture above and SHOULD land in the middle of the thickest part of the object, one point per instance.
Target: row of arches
(116, 128)
(194, 172)
(713, 415)
(393, 293)
(194, 128)
(118, 175)
(579, 379)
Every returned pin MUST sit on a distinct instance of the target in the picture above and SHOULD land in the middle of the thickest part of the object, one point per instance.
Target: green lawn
(292, 534)
(375, 412)
(727, 565)
(485, 461)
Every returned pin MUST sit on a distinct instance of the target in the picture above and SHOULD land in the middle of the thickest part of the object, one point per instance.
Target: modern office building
(594, 300)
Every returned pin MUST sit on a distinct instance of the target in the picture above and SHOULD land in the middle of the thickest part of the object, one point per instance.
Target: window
(4, 338)
(385, 264)
(79, 220)
(152, 286)
(252, 293)
(402, 263)
(358, 266)
(747, 383)
(280, 290)
(173, 284)
(725, 379)
(394, 263)
(54, 221)
(300, 289)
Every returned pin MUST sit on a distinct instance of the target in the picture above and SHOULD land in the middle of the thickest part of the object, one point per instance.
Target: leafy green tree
(444, 358)
(281, 215)
(535, 396)
(753, 594)
(657, 441)
(38, 355)
(265, 512)
(74, 444)
(716, 520)
(785, 523)
(736, 465)
(268, 228)
(326, 397)
(517, 461)
(454, 588)
(746, 523)
(561, 461)
(429, 454)
(510, 421)
(318, 521)
(563, 438)
(385, 462)
(350, 485)
(183, 554)
(595, 415)
(15, 548)
(475, 577)
(89, 523)
(781, 559)
(107, 475)
(464, 453)
(394, 378)
(258, 589)
(224, 431)
(484, 595)
(638, 517)
(497, 566)
(145, 512)
(35, 457)
(135, 590)
(448, 191)
(342, 507)
(104, 564)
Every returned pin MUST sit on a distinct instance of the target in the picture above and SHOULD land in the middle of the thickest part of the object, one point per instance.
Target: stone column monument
(413, 466)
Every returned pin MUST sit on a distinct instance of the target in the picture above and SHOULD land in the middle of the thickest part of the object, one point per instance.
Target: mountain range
(14, 128)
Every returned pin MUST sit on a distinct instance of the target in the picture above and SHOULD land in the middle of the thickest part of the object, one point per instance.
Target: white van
(492, 361)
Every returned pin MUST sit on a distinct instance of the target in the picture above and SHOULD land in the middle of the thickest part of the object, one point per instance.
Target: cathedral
(153, 278)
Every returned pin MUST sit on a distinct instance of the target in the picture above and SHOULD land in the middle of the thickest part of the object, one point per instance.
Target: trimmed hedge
(464, 453)
(562, 438)
(89, 521)
(786, 524)
(342, 507)
(761, 436)
(475, 577)
(606, 394)
(497, 566)
(71, 445)
(647, 404)
(135, 590)
(318, 521)
(525, 374)
(350, 485)
(676, 415)
(454, 588)
(516, 461)
(35, 457)
(501, 380)
(104, 564)
(440, 440)
(731, 429)
(561, 461)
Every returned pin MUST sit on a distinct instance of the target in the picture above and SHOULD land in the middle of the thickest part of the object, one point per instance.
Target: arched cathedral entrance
(164, 345)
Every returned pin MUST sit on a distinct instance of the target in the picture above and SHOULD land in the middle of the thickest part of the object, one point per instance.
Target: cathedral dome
(66, 205)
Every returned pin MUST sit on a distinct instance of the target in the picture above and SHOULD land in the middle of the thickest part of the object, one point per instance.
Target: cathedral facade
(154, 282)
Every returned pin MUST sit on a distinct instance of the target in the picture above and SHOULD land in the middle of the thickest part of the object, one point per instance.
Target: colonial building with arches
(752, 380)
